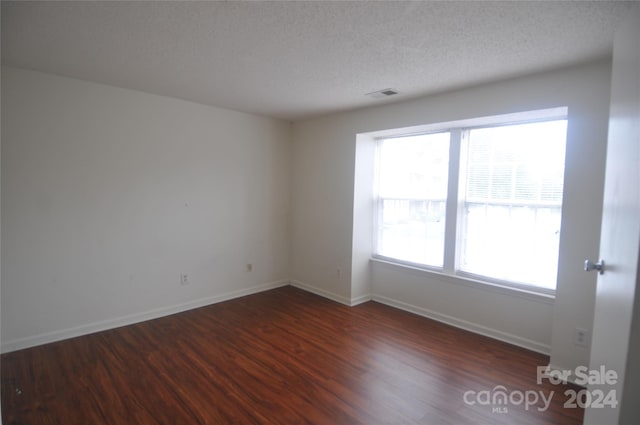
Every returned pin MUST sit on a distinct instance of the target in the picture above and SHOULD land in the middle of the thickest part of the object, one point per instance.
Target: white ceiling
(295, 60)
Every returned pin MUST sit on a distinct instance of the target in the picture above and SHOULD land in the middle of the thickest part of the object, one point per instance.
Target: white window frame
(380, 200)
(454, 198)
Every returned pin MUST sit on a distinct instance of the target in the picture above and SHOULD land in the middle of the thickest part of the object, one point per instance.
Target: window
(499, 185)
(412, 197)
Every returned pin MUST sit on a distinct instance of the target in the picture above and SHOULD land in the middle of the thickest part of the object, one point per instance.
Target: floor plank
(279, 357)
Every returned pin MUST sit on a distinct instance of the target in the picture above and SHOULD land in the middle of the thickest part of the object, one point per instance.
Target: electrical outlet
(581, 337)
(184, 279)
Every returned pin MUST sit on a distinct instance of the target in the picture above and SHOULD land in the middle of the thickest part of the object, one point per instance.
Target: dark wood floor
(279, 357)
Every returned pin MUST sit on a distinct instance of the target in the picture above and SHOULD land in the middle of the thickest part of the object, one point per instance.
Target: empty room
(320, 212)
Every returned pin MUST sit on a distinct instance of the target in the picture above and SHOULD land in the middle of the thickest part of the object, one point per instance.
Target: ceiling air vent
(382, 93)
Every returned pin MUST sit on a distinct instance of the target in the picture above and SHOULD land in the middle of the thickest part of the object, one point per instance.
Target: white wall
(325, 216)
(108, 195)
(0, 226)
(580, 238)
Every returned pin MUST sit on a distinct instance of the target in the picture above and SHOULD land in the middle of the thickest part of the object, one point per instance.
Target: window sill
(466, 281)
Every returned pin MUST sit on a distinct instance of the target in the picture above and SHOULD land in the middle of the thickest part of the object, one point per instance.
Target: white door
(616, 335)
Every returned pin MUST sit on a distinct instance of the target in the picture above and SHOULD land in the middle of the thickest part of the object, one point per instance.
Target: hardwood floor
(278, 357)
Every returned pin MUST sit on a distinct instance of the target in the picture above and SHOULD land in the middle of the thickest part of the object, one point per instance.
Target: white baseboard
(449, 320)
(359, 300)
(468, 326)
(326, 294)
(59, 335)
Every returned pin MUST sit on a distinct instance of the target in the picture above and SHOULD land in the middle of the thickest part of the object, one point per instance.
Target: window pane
(510, 218)
(413, 174)
(413, 231)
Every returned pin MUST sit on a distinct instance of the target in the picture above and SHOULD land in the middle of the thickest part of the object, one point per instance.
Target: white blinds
(513, 202)
(516, 164)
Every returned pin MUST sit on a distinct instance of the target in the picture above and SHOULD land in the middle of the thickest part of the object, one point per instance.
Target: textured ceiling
(294, 60)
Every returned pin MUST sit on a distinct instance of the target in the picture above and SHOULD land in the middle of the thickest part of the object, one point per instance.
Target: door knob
(590, 265)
